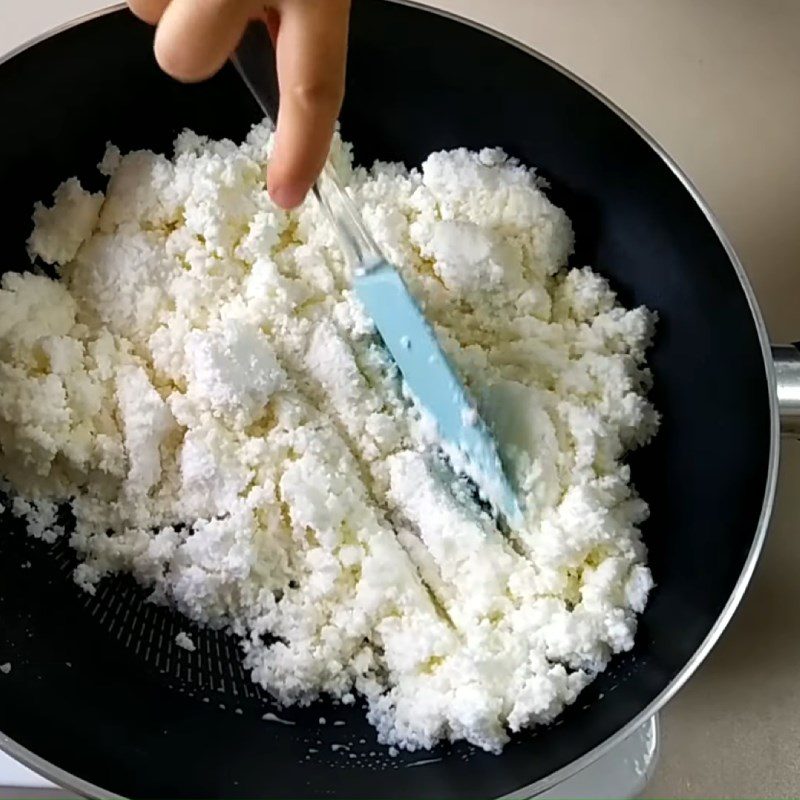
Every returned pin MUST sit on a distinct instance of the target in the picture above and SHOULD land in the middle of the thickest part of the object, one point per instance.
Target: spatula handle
(254, 59)
(360, 248)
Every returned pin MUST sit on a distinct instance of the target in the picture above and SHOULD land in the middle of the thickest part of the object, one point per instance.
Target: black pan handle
(787, 373)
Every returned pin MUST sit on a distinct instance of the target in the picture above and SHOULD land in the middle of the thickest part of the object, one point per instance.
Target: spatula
(409, 338)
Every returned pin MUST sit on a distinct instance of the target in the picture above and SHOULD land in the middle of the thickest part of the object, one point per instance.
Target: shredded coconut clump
(203, 392)
(184, 641)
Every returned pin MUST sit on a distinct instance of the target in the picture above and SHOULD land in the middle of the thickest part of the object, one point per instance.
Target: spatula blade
(432, 380)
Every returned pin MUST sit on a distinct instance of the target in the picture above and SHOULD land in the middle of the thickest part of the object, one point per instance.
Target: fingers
(311, 53)
(148, 10)
(195, 37)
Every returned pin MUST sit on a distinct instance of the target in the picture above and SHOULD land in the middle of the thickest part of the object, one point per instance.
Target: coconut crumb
(204, 392)
(184, 641)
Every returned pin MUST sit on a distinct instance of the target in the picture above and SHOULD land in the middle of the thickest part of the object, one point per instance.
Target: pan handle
(787, 371)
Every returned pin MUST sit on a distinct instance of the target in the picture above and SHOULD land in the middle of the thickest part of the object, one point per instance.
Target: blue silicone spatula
(398, 318)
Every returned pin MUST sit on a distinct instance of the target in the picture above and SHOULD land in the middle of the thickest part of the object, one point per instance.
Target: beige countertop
(717, 82)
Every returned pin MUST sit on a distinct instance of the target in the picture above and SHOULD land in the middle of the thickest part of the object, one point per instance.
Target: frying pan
(100, 700)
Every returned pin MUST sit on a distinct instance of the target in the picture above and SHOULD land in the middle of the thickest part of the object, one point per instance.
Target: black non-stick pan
(98, 696)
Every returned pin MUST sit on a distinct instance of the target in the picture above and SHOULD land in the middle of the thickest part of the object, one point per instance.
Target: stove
(21, 783)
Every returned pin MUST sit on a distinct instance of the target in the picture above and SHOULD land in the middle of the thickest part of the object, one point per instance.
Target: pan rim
(74, 783)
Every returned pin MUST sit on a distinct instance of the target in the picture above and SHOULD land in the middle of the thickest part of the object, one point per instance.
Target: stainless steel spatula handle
(255, 60)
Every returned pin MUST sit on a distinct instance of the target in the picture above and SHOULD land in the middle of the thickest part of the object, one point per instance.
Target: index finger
(311, 52)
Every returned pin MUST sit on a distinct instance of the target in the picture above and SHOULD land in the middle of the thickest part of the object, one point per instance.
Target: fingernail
(288, 195)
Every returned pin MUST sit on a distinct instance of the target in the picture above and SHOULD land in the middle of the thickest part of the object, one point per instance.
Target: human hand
(195, 37)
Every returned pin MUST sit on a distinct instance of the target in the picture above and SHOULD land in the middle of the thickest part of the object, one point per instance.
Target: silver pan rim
(76, 784)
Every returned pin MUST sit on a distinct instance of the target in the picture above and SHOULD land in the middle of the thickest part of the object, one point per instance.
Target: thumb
(195, 37)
